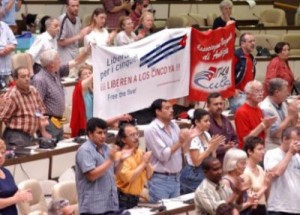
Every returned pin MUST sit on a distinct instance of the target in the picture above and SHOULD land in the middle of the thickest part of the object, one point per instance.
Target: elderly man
(275, 105)
(23, 111)
(244, 69)
(164, 138)
(220, 124)
(249, 119)
(284, 162)
(211, 193)
(48, 83)
(70, 34)
(60, 207)
(43, 42)
(95, 165)
(136, 169)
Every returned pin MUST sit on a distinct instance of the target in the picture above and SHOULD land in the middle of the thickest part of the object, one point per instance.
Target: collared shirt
(6, 38)
(159, 141)
(20, 109)
(51, 90)
(97, 196)
(42, 43)
(9, 17)
(208, 196)
(68, 29)
(124, 176)
(112, 20)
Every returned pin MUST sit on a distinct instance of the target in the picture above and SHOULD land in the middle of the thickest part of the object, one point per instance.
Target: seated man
(220, 124)
(211, 193)
(136, 169)
(275, 105)
(61, 207)
(23, 111)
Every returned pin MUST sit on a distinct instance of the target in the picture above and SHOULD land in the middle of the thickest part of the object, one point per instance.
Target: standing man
(9, 9)
(70, 34)
(284, 162)
(23, 111)
(220, 124)
(135, 14)
(249, 119)
(95, 179)
(165, 139)
(43, 42)
(244, 69)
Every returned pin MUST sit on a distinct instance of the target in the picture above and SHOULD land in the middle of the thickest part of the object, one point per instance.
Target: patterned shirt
(6, 38)
(20, 109)
(112, 20)
(51, 90)
(135, 19)
(99, 196)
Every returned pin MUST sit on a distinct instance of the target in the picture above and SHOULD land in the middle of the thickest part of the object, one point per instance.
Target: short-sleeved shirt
(9, 17)
(123, 39)
(6, 38)
(112, 20)
(68, 29)
(97, 196)
(219, 22)
(51, 90)
(42, 43)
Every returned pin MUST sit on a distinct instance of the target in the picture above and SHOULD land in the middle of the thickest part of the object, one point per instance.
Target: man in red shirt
(243, 69)
(249, 119)
(135, 14)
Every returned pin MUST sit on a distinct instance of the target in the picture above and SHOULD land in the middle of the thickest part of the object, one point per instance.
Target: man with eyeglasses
(249, 118)
(136, 169)
(243, 69)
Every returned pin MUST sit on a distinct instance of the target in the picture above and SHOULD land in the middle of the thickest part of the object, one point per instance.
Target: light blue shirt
(6, 38)
(88, 103)
(9, 17)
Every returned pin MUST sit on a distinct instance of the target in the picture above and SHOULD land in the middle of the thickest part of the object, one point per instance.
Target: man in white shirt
(284, 162)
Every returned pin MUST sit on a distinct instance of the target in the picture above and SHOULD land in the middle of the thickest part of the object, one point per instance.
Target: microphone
(259, 24)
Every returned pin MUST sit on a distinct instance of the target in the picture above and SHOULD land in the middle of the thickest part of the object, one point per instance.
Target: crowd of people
(249, 166)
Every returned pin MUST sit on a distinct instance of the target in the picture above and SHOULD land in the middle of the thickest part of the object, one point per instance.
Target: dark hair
(43, 23)
(276, 84)
(121, 134)
(157, 105)
(251, 142)
(212, 96)
(242, 37)
(288, 131)
(198, 115)
(225, 209)
(96, 12)
(279, 46)
(16, 72)
(94, 123)
(206, 163)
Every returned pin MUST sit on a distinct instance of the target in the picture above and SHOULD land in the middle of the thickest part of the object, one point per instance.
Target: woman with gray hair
(225, 18)
(60, 207)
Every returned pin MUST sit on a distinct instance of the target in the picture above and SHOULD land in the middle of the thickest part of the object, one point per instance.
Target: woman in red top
(279, 66)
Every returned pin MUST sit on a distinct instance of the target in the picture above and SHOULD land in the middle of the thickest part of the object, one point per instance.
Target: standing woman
(146, 25)
(259, 180)
(127, 34)
(9, 194)
(202, 146)
(279, 66)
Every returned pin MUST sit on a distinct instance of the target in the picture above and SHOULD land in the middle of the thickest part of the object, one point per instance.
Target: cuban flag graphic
(163, 51)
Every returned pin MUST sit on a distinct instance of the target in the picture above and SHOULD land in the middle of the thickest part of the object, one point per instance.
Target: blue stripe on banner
(161, 46)
(166, 55)
(159, 53)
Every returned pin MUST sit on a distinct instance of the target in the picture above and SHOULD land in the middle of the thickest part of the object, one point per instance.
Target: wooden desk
(184, 209)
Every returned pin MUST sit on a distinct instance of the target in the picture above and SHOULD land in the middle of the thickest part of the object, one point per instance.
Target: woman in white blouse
(127, 34)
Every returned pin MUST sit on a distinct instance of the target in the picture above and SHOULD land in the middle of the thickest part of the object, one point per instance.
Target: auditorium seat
(18, 60)
(294, 41)
(86, 20)
(273, 17)
(177, 22)
(267, 41)
(66, 190)
(297, 19)
(211, 18)
(38, 202)
(194, 19)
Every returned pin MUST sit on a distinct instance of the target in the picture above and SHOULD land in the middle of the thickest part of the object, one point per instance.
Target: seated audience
(136, 13)
(275, 105)
(212, 193)
(23, 112)
(284, 162)
(225, 18)
(279, 67)
(127, 34)
(227, 209)
(96, 164)
(9, 195)
(249, 119)
(201, 147)
(146, 25)
(60, 207)
(233, 167)
(43, 42)
(259, 181)
(220, 124)
(136, 169)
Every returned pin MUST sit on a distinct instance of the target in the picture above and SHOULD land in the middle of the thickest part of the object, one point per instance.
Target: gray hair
(47, 57)
(276, 84)
(231, 158)
(55, 206)
(49, 21)
(225, 3)
(249, 86)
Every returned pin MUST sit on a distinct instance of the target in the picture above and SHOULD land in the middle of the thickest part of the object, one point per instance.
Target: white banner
(131, 77)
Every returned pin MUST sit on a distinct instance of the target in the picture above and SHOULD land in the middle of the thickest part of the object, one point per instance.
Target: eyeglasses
(133, 135)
